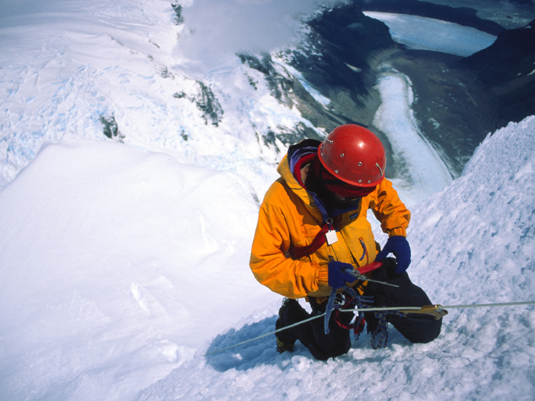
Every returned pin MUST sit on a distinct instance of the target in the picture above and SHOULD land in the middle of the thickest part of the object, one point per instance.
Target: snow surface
(66, 65)
(423, 33)
(473, 243)
(122, 264)
(121, 268)
(116, 264)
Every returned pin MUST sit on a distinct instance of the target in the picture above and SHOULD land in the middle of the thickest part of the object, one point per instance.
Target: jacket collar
(311, 199)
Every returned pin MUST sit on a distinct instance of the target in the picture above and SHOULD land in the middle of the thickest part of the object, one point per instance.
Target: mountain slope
(473, 243)
(507, 70)
(124, 245)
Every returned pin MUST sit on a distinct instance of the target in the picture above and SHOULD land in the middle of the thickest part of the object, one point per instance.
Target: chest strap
(317, 242)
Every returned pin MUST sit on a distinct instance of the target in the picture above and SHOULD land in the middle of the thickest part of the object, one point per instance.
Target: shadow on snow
(263, 351)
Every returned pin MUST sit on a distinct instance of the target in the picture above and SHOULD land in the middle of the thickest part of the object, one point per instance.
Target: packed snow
(124, 261)
(65, 70)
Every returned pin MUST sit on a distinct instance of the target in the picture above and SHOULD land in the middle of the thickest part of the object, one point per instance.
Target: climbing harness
(349, 294)
(359, 323)
(379, 337)
(341, 302)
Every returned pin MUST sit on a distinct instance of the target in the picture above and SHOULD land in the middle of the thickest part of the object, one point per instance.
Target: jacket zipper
(365, 251)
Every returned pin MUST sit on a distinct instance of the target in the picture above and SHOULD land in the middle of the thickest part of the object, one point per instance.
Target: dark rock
(208, 104)
(452, 108)
(507, 71)
(343, 39)
(177, 8)
(110, 128)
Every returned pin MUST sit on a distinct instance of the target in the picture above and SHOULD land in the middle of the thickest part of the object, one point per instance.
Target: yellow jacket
(288, 217)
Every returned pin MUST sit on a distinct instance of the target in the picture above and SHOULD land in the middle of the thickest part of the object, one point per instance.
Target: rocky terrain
(458, 100)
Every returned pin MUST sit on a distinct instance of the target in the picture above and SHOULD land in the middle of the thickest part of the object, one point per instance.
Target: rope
(264, 335)
(417, 308)
(487, 305)
(392, 308)
(386, 308)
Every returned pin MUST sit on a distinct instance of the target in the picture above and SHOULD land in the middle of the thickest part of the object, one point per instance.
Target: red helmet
(354, 155)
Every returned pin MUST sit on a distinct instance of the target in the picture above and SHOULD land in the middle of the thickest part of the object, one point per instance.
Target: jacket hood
(311, 199)
(287, 166)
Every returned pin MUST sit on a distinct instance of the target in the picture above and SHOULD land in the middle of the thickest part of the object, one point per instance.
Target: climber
(313, 224)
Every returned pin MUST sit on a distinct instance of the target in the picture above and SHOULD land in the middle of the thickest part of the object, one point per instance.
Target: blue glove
(401, 249)
(337, 276)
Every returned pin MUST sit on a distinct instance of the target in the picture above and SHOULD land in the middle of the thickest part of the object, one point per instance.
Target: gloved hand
(337, 276)
(401, 249)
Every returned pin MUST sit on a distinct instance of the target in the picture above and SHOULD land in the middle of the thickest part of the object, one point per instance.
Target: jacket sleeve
(269, 261)
(390, 210)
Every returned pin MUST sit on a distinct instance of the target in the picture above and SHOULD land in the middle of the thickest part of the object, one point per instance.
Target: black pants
(415, 328)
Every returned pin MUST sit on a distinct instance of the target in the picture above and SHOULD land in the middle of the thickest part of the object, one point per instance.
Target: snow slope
(474, 242)
(121, 268)
(121, 264)
(117, 264)
(67, 65)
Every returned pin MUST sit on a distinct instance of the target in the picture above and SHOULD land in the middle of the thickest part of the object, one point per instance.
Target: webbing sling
(317, 242)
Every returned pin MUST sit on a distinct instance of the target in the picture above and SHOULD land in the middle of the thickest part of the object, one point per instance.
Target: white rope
(487, 305)
(404, 308)
(265, 335)
(382, 309)
(440, 307)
